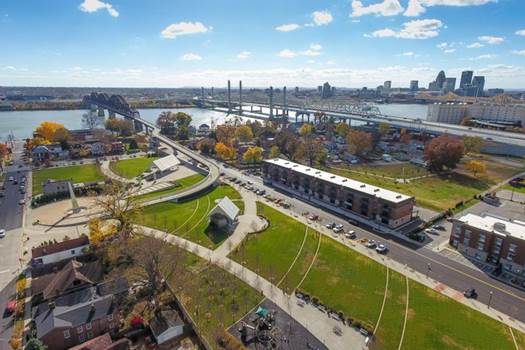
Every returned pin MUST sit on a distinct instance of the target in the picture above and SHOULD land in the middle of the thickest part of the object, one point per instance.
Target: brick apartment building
(352, 199)
(489, 238)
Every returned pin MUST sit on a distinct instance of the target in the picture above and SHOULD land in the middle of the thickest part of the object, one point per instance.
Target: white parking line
(5, 271)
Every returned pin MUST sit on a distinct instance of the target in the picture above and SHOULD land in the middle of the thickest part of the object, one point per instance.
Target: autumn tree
(62, 136)
(473, 144)
(253, 155)
(383, 128)
(121, 127)
(225, 134)
(206, 146)
(47, 130)
(98, 232)
(4, 151)
(120, 203)
(306, 129)
(443, 152)
(274, 152)
(342, 129)
(175, 124)
(359, 142)
(244, 133)
(225, 152)
(404, 136)
(476, 167)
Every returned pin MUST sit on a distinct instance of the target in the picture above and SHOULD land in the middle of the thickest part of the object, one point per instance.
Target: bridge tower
(229, 97)
(285, 107)
(212, 92)
(271, 102)
(240, 97)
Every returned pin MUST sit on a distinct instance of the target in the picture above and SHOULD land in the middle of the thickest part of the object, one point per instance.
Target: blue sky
(173, 43)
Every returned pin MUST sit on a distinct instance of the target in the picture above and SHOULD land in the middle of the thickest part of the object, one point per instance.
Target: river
(22, 123)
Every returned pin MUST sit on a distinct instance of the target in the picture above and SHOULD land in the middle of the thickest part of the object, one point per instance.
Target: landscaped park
(190, 219)
(78, 174)
(399, 309)
(131, 168)
(178, 186)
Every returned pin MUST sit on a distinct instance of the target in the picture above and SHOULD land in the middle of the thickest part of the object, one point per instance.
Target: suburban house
(203, 130)
(103, 342)
(50, 253)
(167, 327)
(493, 239)
(62, 327)
(97, 149)
(355, 200)
(51, 187)
(72, 277)
(224, 214)
(42, 153)
(116, 148)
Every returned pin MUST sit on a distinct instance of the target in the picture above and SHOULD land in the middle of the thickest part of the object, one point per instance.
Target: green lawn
(190, 219)
(78, 173)
(179, 185)
(347, 281)
(131, 168)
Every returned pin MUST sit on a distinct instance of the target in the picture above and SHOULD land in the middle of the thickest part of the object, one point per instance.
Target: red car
(10, 307)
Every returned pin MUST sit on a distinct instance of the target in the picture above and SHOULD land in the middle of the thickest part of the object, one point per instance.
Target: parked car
(371, 244)
(22, 202)
(382, 249)
(338, 228)
(2, 233)
(10, 308)
(313, 217)
(439, 227)
(470, 293)
(351, 234)
(11, 178)
(431, 231)
(330, 225)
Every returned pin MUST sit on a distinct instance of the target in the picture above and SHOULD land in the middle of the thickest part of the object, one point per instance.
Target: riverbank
(77, 105)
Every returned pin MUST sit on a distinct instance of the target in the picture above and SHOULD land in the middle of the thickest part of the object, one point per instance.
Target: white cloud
(416, 29)
(443, 45)
(520, 32)
(10, 68)
(408, 54)
(519, 52)
(183, 28)
(191, 57)
(483, 57)
(244, 55)
(417, 7)
(322, 18)
(288, 27)
(95, 5)
(384, 8)
(449, 50)
(313, 50)
(491, 40)
(475, 46)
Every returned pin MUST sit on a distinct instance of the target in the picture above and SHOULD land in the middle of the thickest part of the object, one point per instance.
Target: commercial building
(479, 82)
(450, 85)
(353, 199)
(450, 113)
(414, 85)
(492, 239)
(454, 113)
(466, 78)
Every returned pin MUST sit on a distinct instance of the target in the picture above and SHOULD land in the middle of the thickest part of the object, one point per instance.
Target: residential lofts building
(51, 253)
(489, 238)
(353, 199)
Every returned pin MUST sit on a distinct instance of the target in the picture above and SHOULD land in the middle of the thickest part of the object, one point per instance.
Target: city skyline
(130, 43)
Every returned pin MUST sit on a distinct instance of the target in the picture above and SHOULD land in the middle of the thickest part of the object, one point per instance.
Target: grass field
(352, 283)
(190, 219)
(215, 299)
(78, 173)
(131, 168)
(178, 186)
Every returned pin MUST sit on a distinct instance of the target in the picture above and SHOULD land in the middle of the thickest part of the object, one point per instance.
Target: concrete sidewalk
(317, 323)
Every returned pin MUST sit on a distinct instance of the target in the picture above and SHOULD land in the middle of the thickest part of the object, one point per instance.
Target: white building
(224, 214)
(52, 253)
(165, 165)
(450, 113)
(454, 113)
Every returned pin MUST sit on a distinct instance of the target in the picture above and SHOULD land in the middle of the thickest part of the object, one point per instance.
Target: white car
(381, 249)
(2, 233)
(22, 202)
(337, 229)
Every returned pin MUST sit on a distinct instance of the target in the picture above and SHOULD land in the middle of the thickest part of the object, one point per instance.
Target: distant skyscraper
(479, 82)
(440, 80)
(414, 85)
(387, 84)
(326, 90)
(450, 85)
(466, 78)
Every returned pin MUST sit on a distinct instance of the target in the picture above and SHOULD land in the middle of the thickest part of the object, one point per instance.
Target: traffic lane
(10, 210)
(455, 275)
(6, 323)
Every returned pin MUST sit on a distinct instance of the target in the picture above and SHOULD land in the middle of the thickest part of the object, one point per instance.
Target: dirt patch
(411, 314)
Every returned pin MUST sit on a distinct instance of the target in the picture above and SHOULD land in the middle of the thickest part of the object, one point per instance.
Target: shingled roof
(59, 247)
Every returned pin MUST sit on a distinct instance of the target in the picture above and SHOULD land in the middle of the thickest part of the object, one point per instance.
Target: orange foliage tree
(224, 152)
(47, 130)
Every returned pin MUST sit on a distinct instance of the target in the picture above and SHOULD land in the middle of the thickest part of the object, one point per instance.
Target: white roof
(391, 196)
(227, 208)
(495, 224)
(166, 163)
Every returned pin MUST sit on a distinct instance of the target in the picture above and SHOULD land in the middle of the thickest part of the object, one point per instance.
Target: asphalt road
(505, 298)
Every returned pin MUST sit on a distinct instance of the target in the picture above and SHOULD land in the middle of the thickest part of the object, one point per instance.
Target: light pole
(490, 299)
(429, 268)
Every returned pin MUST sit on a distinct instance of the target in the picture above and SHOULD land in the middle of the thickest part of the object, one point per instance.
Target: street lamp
(490, 299)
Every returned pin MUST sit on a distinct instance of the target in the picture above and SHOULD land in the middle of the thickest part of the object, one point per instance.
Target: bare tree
(119, 203)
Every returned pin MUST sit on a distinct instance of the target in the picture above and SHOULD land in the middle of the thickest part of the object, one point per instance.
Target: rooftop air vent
(363, 185)
(398, 196)
(376, 190)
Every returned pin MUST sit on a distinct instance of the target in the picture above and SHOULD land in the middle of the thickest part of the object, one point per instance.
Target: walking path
(106, 170)
(318, 323)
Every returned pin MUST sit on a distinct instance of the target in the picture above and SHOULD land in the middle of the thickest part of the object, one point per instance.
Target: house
(42, 153)
(167, 327)
(98, 149)
(73, 276)
(116, 148)
(103, 342)
(62, 327)
(203, 130)
(52, 187)
(225, 213)
(54, 252)
(165, 165)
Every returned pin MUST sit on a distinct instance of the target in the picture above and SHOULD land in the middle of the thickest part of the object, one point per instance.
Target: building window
(467, 233)
(507, 267)
(66, 334)
(80, 329)
(481, 245)
(88, 326)
(89, 334)
(73, 251)
(110, 317)
(81, 338)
